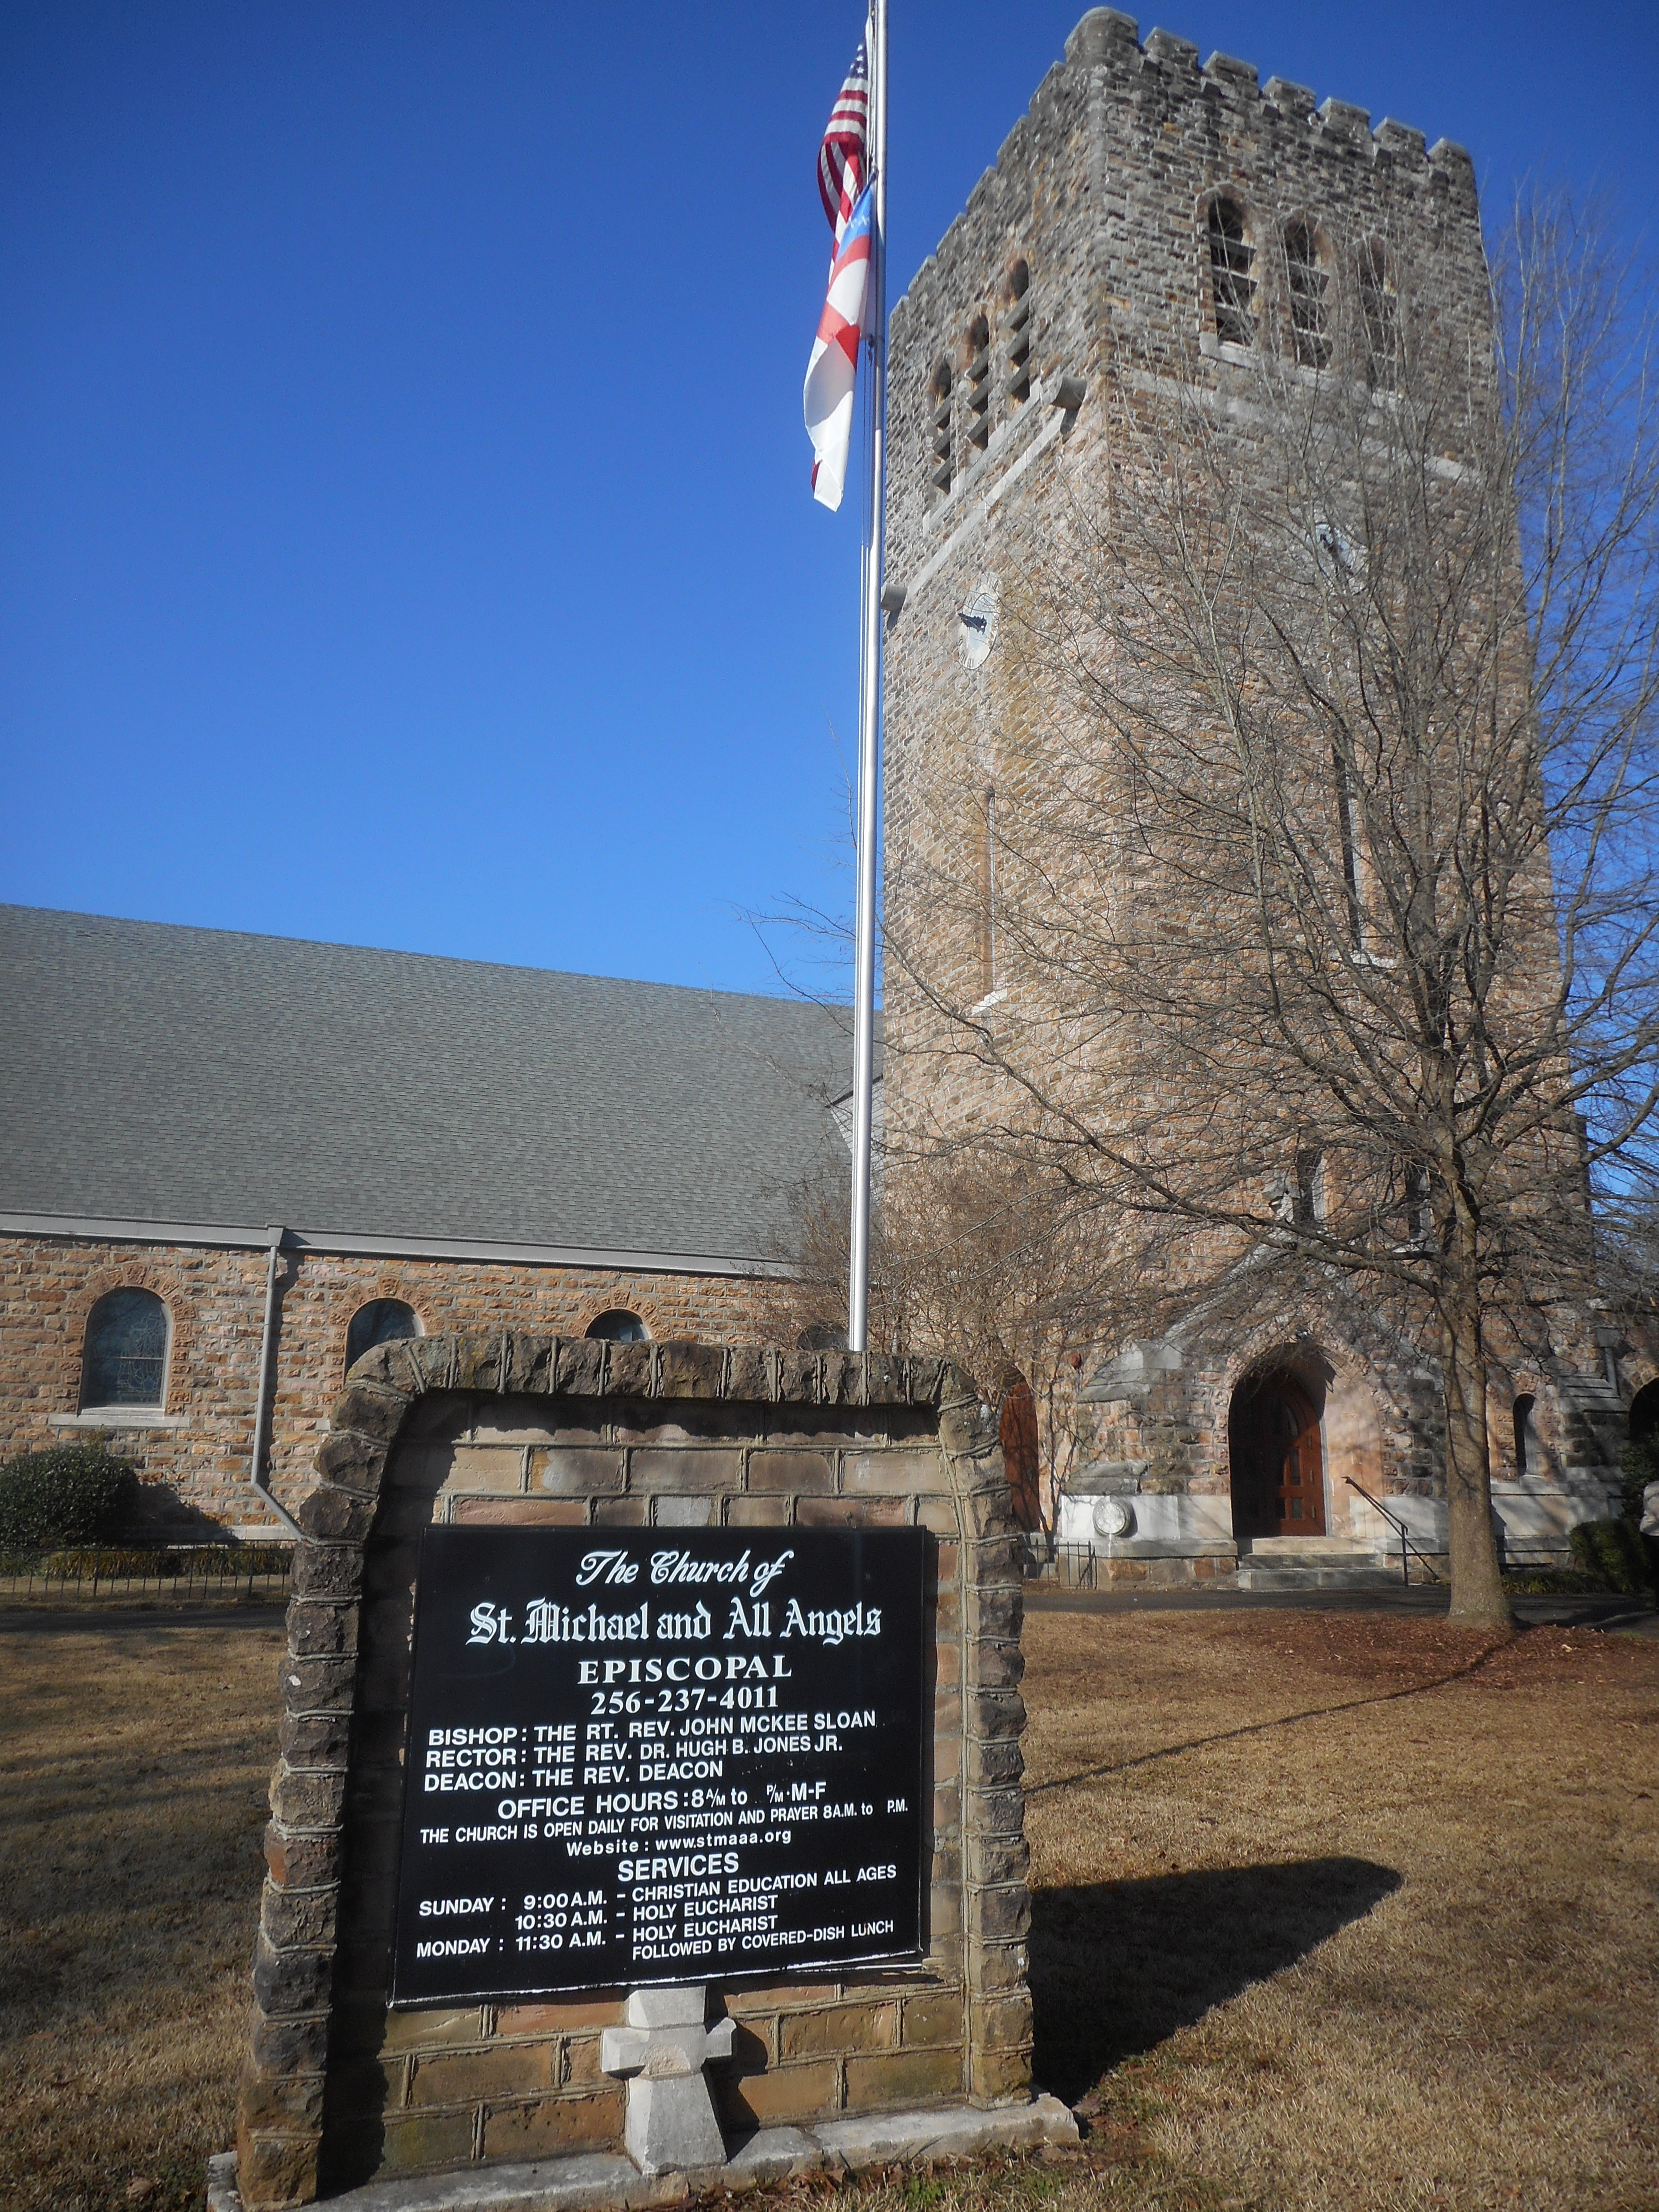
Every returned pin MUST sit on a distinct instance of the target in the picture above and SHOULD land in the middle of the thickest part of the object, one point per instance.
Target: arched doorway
(1642, 1457)
(1274, 1451)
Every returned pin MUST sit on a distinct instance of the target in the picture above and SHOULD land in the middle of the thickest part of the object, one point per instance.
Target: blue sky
(406, 534)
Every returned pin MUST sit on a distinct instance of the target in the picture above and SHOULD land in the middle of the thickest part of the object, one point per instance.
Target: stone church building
(233, 1162)
(1215, 217)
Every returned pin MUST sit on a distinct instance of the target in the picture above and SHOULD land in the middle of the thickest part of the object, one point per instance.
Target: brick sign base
(340, 2092)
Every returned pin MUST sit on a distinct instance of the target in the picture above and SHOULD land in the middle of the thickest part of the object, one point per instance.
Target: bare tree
(989, 1259)
(1326, 905)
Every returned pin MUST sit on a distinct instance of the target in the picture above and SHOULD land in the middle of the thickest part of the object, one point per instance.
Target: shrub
(76, 1494)
(1553, 1582)
(1615, 1553)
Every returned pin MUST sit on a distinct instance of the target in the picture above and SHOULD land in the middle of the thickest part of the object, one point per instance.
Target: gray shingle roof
(149, 1072)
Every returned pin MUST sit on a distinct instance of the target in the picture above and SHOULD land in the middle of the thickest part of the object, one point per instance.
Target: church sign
(649, 1793)
(634, 1761)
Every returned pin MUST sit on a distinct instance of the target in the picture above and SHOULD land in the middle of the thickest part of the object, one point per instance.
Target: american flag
(843, 154)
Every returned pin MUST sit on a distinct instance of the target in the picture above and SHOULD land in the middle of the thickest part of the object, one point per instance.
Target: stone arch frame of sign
(539, 1431)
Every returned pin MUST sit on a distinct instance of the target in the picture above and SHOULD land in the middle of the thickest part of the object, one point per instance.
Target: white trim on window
(119, 1417)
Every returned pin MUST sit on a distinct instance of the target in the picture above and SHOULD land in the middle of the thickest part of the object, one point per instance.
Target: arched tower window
(1308, 1202)
(1017, 323)
(986, 837)
(1522, 1415)
(1232, 288)
(619, 1326)
(1305, 281)
(124, 1360)
(382, 1320)
(1379, 318)
(979, 382)
(939, 387)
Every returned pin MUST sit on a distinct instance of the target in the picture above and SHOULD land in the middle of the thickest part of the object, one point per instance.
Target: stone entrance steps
(1296, 1563)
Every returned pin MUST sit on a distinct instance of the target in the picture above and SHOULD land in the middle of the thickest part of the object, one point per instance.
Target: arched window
(1308, 1206)
(985, 829)
(1017, 324)
(619, 1326)
(1522, 1415)
(1232, 288)
(979, 382)
(1379, 318)
(124, 1361)
(382, 1320)
(939, 387)
(822, 1336)
(1305, 283)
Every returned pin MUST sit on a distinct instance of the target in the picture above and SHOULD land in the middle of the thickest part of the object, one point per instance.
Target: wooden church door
(1277, 1464)
(1018, 1434)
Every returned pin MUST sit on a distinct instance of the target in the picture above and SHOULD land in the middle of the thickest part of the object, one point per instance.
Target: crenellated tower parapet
(1094, 221)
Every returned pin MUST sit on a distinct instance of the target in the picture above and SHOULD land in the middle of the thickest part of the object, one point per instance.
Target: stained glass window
(618, 1327)
(382, 1320)
(125, 1361)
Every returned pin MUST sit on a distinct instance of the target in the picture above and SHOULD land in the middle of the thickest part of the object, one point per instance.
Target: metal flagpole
(863, 1002)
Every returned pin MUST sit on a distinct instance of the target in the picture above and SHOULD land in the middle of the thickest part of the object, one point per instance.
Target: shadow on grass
(1118, 1967)
(1266, 1728)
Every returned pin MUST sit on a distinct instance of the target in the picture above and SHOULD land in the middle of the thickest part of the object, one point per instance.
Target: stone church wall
(193, 1459)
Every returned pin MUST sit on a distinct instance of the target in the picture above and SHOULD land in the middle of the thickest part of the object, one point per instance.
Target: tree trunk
(1479, 1599)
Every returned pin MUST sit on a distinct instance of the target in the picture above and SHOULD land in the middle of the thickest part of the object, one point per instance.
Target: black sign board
(659, 1756)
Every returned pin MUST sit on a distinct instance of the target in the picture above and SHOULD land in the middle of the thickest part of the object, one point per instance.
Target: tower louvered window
(1379, 319)
(1017, 324)
(940, 472)
(1232, 288)
(1305, 283)
(979, 382)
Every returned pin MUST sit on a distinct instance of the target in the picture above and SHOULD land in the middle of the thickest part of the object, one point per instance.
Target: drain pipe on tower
(275, 1232)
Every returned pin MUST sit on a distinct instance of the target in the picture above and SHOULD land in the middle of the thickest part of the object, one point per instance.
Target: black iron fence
(104, 1575)
(1061, 1566)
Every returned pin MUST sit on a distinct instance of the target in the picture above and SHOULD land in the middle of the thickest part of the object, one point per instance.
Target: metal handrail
(1407, 1545)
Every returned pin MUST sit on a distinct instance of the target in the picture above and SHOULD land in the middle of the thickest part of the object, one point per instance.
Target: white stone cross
(662, 2052)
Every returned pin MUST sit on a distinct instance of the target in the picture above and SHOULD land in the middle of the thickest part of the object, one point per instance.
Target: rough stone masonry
(1080, 267)
(338, 2091)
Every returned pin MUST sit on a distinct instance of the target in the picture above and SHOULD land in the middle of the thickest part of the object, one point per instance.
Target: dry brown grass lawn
(1331, 1911)
(134, 1761)
(1403, 1953)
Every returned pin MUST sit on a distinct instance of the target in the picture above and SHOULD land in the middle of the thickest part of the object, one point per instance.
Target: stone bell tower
(1209, 220)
